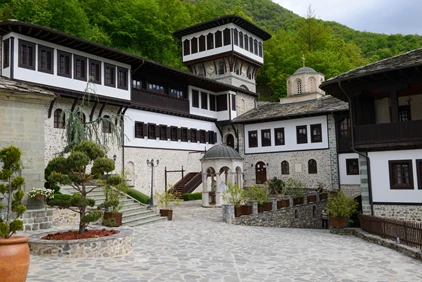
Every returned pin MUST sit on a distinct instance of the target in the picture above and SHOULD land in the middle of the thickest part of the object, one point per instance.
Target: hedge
(141, 197)
(192, 196)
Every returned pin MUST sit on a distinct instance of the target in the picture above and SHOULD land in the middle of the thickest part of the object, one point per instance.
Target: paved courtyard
(196, 246)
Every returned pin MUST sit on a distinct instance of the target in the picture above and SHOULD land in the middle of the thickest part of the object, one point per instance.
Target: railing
(160, 101)
(193, 183)
(388, 133)
(410, 233)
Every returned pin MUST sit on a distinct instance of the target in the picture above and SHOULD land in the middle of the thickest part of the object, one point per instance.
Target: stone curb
(401, 248)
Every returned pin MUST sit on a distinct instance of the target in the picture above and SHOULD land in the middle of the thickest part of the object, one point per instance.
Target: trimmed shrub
(192, 196)
(138, 195)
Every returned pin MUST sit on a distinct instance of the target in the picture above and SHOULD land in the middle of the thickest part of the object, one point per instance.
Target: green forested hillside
(145, 27)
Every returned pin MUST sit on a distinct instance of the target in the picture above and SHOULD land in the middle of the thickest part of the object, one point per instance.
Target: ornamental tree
(81, 170)
(11, 191)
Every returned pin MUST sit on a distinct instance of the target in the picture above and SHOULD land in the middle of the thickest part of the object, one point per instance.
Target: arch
(298, 86)
(312, 84)
(260, 173)
(285, 168)
(106, 124)
(130, 174)
(238, 177)
(59, 118)
(312, 166)
(224, 174)
(244, 87)
(230, 140)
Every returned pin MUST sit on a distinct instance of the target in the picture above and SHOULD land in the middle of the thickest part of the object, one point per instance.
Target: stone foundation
(111, 246)
(37, 219)
(401, 212)
(351, 190)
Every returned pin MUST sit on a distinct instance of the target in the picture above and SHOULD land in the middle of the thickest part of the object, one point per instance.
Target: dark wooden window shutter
(145, 129)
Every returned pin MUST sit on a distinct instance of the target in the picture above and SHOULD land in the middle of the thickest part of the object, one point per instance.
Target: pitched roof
(9, 85)
(252, 28)
(277, 111)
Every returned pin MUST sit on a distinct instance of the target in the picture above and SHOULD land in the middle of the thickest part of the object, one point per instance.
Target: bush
(340, 205)
(276, 186)
(256, 193)
(234, 195)
(192, 196)
(138, 195)
(295, 188)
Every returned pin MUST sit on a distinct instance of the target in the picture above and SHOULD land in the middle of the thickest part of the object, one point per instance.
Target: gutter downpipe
(368, 161)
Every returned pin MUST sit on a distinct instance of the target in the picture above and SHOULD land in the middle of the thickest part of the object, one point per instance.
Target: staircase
(134, 212)
(187, 184)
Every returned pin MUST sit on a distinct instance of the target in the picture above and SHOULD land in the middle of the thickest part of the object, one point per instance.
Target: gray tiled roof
(10, 85)
(277, 111)
(221, 152)
(305, 70)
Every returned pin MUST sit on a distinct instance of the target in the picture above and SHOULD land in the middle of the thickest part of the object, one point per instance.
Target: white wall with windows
(201, 105)
(349, 172)
(381, 173)
(132, 116)
(52, 79)
(290, 135)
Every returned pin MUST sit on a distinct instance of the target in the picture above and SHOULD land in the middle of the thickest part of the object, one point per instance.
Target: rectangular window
(316, 134)
(176, 93)
(345, 128)
(253, 139)
(184, 137)
(80, 68)
(222, 102)
(195, 98)
(241, 39)
(301, 134)
(212, 103)
(6, 53)
(193, 135)
(260, 49)
(401, 174)
(156, 88)
(109, 75)
(218, 39)
(211, 137)
(139, 129)
(204, 100)
(186, 49)
(95, 71)
(246, 42)
(201, 43)
(233, 102)
(279, 136)
(352, 166)
(210, 41)
(235, 37)
(122, 78)
(64, 64)
(202, 136)
(251, 44)
(45, 59)
(266, 137)
(404, 113)
(136, 84)
(194, 45)
(26, 55)
(226, 35)
(419, 173)
(173, 133)
(163, 132)
(151, 131)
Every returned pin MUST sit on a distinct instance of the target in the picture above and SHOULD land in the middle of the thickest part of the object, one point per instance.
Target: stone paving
(197, 246)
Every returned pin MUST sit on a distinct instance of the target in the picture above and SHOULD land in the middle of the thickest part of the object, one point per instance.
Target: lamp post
(152, 165)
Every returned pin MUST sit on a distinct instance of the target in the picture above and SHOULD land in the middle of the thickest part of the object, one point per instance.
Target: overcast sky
(381, 16)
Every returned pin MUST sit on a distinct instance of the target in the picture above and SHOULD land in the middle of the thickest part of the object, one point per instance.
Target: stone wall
(351, 190)
(37, 219)
(401, 212)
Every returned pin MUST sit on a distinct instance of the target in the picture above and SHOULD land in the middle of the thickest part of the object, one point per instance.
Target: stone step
(131, 212)
(131, 219)
(145, 221)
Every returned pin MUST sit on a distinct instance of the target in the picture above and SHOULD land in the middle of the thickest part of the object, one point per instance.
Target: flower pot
(14, 258)
(298, 201)
(237, 211)
(268, 206)
(323, 196)
(246, 209)
(40, 197)
(260, 208)
(338, 222)
(117, 217)
(168, 213)
(311, 198)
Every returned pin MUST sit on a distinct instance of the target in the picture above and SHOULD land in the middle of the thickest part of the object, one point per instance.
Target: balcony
(160, 102)
(405, 134)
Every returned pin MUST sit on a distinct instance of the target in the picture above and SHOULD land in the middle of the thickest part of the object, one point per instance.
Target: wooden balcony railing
(388, 134)
(160, 102)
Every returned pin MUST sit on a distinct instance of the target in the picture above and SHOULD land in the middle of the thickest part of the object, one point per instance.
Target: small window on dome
(299, 86)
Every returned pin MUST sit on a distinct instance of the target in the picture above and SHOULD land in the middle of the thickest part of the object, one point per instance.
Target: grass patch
(138, 195)
(192, 196)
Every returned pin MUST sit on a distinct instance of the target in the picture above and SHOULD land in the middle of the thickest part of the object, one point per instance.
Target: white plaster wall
(65, 82)
(149, 117)
(290, 135)
(381, 191)
(344, 178)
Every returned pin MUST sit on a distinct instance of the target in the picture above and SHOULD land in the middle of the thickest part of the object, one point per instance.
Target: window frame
(195, 98)
(253, 144)
(193, 135)
(152, 134)
(184, 134)
(96, 64)
(226, 36)
(58, 121)
(173, 133)
(352, 169)
(139, 129)
(202, 137)
(186, 47)
(314, 137)
(106, 125)
(312, 166)
(75, 71)
(276, 140)
(204, 102)
(283, 168)
(125, 80)
(298, 138)
(391, 165)
(47, 50)
(67, 72)
(163, 132)
(113, 75)
(6, 53)
(28, 62)
(265, 142)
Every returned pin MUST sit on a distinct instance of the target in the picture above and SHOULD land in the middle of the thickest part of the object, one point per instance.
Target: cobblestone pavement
(196, 246)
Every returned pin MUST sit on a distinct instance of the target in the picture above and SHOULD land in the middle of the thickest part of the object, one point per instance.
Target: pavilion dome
(305, 70)
(221, 152)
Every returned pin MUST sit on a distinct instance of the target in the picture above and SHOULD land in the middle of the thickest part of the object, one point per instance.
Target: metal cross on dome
(303, 60)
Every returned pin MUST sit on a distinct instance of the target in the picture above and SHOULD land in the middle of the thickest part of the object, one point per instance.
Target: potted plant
(236, 196)
(282, 203)
(340, 207)
(14, 250)
(297, 190)
(41, 194)
(165, 200)
(258, 194)
(112, 205)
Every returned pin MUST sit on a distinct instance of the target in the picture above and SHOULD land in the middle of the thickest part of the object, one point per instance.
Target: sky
(380, 16)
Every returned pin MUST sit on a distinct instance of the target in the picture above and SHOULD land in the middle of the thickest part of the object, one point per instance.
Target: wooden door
(260, 173)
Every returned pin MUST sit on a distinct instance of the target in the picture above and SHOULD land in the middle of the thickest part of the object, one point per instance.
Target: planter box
(298, 201)
(168, 213)
(323, 196)
(282, 204)
(246, 209)
(311, 198)
(117, 217)
(268, 206)
(238, 211)
(260, 208)
(338, 222)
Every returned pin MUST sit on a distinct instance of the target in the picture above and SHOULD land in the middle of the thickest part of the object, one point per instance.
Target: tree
(74, 171)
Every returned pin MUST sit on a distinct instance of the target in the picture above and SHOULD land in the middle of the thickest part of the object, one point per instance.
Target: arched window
(246, 42)
(210, 41)
(59, 118)
(201, 43)
(186, 49)
(226, 35)
(230, 141)
(312, 166)
(82, 117)
(260, 173)
(106, 125)
(235, 37)
(221, 69)
(218, 39)
(284, 168)
(194, 45)
(299, 86)
(255, 47)
(241, 39)
(312, 85)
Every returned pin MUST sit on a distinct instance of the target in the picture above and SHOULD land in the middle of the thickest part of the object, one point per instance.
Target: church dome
(221, 152)
(305, 70)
